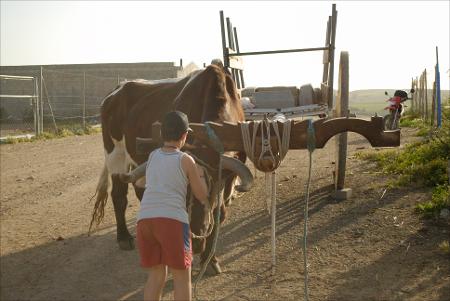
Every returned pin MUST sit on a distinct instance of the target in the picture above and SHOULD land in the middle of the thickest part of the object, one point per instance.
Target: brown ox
(129, 112)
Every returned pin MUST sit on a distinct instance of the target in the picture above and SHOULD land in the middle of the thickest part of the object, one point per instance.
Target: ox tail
(102, 196)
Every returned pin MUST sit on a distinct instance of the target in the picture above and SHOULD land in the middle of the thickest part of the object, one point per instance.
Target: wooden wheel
(342, 111)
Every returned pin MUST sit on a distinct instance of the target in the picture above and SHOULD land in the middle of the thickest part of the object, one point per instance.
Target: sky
(389, 42)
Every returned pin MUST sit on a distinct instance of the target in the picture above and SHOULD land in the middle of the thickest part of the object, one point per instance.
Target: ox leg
(214, 266)
(120, 202)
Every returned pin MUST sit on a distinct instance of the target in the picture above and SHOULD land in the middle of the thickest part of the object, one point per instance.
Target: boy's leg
(182, 284)
(157, 276)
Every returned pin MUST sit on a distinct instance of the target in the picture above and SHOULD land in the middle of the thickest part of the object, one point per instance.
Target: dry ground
(363, 248)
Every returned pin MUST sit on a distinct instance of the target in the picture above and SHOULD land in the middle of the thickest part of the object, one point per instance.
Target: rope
(217, 145)
(267, 178)
(283, 147)
(311, 139)
(270, 177)
(283, 143)
(265, 125)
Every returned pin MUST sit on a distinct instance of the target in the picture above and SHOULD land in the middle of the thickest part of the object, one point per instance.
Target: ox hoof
(213, 269)
(127, 244)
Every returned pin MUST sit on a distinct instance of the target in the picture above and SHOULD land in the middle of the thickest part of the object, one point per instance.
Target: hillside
(373, 100)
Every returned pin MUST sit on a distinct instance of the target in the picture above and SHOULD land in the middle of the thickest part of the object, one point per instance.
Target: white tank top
(165, 187)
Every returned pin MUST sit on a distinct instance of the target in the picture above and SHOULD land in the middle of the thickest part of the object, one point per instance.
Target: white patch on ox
(225, 114)
(119, 160)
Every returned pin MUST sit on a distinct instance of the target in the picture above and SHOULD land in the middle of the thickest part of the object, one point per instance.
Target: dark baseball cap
(174, 125)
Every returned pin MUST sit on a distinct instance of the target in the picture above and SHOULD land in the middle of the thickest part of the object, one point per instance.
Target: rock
(59, 238)
(445, 213)
(30, 178)
(286, 178)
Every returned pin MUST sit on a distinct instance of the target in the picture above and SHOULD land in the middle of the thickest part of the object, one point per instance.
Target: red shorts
(164, 241)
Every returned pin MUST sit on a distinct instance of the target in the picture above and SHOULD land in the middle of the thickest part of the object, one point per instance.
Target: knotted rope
(311, 139)
(267, 154)
(265, 126)
(283, 147)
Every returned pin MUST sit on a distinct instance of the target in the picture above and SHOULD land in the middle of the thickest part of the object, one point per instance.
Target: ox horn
(241, 170)
(134, 175)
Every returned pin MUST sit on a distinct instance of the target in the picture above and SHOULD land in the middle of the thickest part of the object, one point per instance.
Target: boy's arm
(196, 180)
(135, 174)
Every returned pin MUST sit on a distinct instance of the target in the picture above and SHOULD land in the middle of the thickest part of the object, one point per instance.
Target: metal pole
(241, 72)
(438, 91)
(84, 99)
(35, 109)
(50, 105)
(280, 51)
(226, 60)
(326, 54)
(41, 105)
(230, 34)
(433, 103)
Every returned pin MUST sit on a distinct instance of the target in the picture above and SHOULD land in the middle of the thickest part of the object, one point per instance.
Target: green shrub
(64, 132)
(410, 114)
(423, 164)
(60, 133)
(46, 135)
(10, 140)
(440, 199)
(423, 131)
(410, 122)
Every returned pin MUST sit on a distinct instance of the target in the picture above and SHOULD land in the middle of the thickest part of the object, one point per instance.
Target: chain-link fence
(51, 100)
(73, 99)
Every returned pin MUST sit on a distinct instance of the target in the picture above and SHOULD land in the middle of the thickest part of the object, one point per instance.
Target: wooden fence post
(426, 95)
(433, 106)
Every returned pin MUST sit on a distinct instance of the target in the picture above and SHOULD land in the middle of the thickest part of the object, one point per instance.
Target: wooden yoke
(231, 137)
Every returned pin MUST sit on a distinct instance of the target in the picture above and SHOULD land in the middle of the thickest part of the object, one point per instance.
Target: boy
(163, 234)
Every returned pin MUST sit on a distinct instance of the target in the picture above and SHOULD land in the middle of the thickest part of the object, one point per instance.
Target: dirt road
(363, 248)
